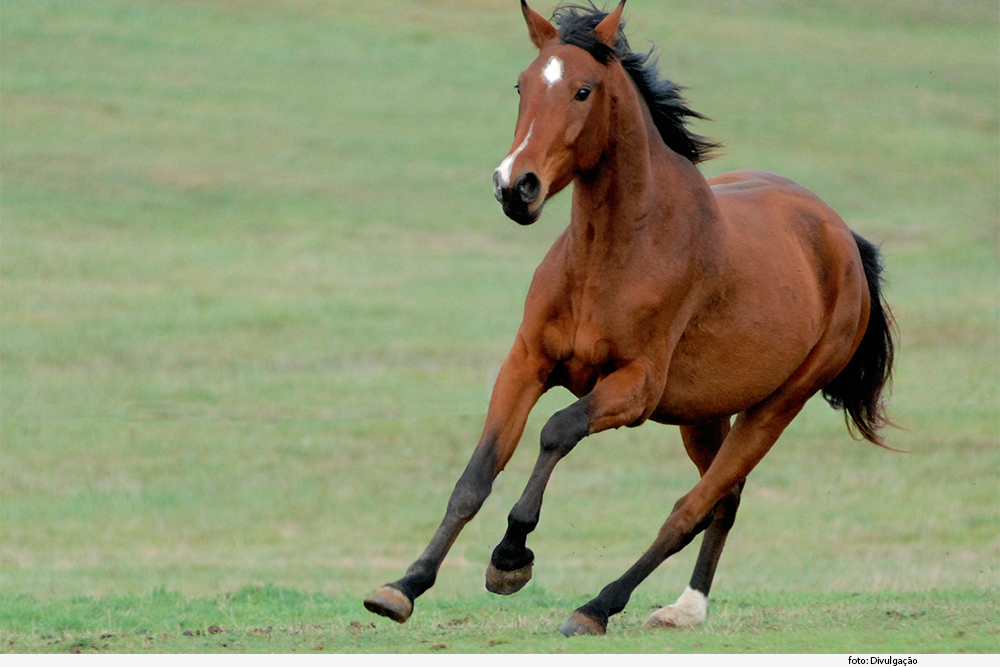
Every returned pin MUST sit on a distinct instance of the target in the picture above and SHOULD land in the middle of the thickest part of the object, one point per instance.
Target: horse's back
(761, 209)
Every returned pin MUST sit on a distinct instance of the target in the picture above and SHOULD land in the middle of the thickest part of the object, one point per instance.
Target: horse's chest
(583, 352)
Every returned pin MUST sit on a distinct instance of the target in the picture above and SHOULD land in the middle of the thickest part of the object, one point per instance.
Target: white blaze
(508, 162)
(553, 71)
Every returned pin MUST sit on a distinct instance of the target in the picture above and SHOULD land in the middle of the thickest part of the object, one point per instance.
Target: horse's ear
(607, 30)
(540, 30)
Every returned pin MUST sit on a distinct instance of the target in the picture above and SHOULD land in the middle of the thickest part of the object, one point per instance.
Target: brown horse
(668, 298)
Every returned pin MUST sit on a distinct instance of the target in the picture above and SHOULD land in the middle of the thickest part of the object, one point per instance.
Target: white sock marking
(553, 71)
(690, 609)
(693, 603)
(508, 162)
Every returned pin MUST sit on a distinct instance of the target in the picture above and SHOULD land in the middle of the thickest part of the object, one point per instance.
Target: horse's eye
(517, 87)
(582, 94)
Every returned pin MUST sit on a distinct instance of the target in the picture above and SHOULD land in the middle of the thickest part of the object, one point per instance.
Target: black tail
(858, 389)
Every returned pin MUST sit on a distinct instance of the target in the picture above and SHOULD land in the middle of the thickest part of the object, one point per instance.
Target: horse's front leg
(518, 387)
(617, 400)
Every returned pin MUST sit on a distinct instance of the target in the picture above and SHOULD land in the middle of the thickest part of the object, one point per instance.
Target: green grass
(255, 287)
(268, 619)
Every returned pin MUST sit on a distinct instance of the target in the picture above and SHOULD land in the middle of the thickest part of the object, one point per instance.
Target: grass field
(255, 287)
(264, 620)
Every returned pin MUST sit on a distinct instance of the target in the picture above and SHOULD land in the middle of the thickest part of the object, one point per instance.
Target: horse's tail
(859, 387)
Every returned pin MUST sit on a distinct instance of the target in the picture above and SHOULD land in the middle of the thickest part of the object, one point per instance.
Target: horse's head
(562, 122)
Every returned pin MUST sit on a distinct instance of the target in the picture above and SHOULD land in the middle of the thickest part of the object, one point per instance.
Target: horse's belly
(723, 366)
(707, 389)
(713, 396)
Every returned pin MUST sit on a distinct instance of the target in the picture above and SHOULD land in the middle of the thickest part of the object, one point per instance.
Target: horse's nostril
(528, 187)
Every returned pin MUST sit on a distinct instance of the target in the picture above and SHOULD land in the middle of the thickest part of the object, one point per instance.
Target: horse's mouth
(515, 208)
(521, 214)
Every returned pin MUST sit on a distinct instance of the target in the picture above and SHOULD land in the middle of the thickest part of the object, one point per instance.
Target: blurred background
(255, 290)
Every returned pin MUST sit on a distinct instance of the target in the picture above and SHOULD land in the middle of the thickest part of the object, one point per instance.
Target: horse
(720, 306)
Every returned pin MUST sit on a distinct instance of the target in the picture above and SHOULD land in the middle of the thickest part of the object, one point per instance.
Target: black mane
(663, 97)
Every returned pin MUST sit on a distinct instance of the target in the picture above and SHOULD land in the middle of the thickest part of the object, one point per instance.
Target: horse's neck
(642, 196)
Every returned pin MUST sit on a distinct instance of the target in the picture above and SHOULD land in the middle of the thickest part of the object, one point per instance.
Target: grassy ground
(255, 288)
(263, 620)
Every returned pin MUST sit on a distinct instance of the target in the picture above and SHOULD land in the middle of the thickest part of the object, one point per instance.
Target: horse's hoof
(503, 582)
(581, 624)
(670, 617)
(690, 609)
(391, 603)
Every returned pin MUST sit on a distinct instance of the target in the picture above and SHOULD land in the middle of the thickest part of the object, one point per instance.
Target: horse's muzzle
(519, 198)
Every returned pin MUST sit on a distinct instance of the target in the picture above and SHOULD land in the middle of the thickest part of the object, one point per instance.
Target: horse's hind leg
(752, 436)
(691, 607)
(702, 443)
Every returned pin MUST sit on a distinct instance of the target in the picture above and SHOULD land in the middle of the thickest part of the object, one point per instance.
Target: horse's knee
(474, 486)
(564, 429)
(465, 503)
(470, 493)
